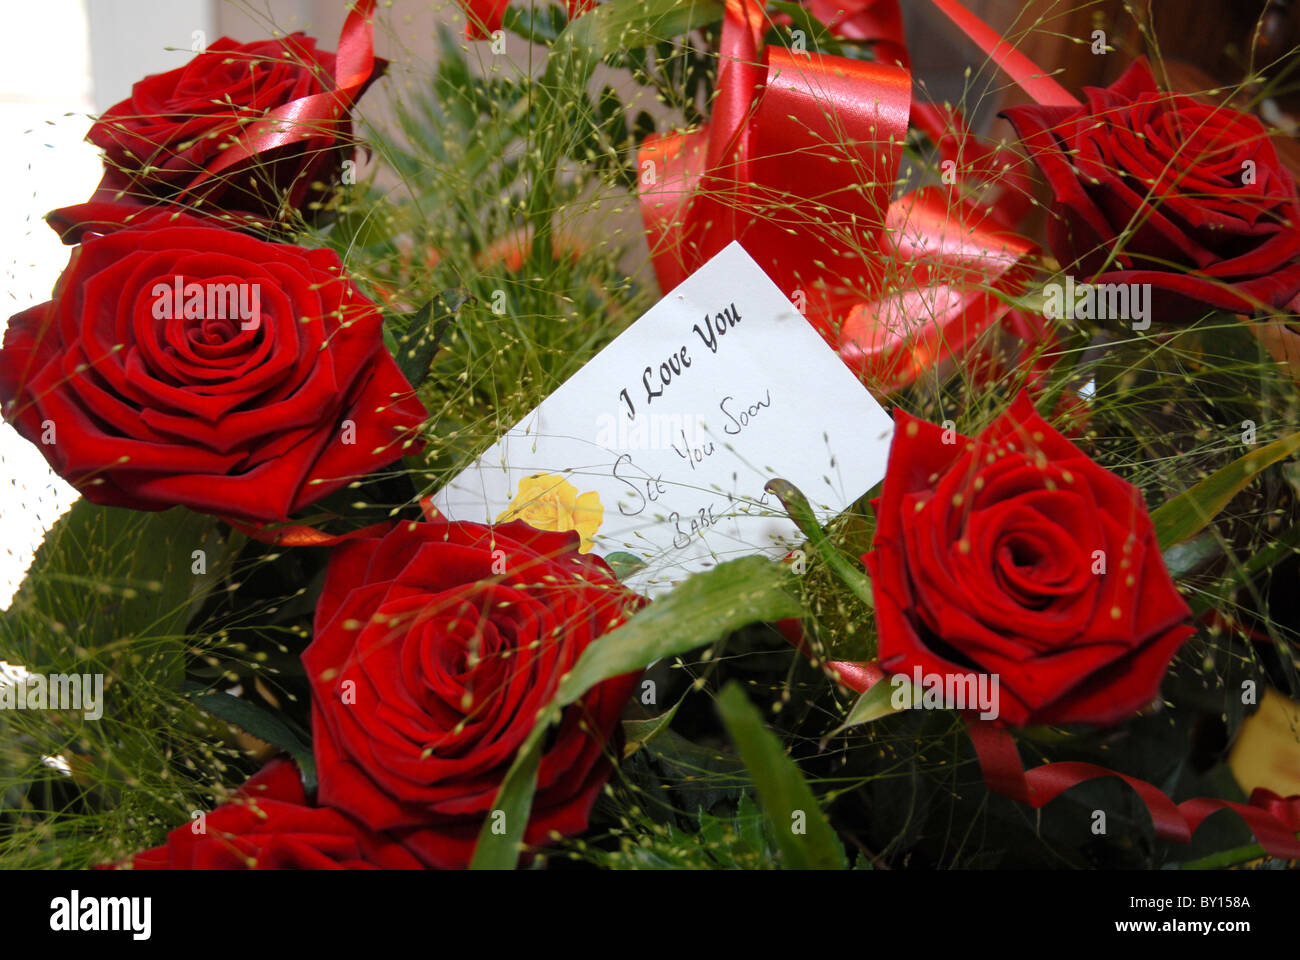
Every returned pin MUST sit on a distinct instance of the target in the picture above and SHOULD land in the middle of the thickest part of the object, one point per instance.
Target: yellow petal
(1267, 751)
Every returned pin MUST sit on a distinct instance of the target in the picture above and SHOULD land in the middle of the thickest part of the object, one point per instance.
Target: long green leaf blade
(1188, 513)
(265, 725)
(701, 611)
(802, 833)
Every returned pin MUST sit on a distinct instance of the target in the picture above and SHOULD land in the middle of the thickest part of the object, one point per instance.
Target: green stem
(800, 511)
(1226, 858)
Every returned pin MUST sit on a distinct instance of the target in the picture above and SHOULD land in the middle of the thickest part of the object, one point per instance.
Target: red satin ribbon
(1266, 814)
(798, 163)
(1027, 75)
(877, 22)
(880, 23)
(1285, 809)
(860, 676)
(312, 116)
(1273, 819)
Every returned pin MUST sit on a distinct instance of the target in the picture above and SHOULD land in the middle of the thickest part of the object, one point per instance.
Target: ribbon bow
(798, 162)
(304, 118)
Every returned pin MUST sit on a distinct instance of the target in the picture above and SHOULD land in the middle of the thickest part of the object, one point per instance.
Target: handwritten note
(660, 446)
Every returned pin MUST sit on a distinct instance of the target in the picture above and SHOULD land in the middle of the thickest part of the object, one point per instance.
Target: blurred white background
(45, 97)
(53, 78)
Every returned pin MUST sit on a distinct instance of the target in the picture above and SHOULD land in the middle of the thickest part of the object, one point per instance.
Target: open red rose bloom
(260, 128)
(158, 400)
(435, 648)
(1158, 188)
(1015, 554)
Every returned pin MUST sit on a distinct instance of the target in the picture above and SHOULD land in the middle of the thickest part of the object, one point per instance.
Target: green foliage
(873, 704)
(738, 841)
(803, 836)
(1189, 512)
(705, 608)
(110, 593)
(257, 721)
(419, 342)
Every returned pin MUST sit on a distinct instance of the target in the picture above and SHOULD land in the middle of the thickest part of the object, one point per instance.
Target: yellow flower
(1267, 751)
(549, 502)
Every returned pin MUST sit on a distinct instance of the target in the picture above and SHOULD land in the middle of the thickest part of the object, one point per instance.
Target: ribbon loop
(799, 163)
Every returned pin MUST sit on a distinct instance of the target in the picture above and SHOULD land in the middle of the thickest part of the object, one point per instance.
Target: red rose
(435, 647)
(1214, 214)
(1014, 554)
(251, 419)
(268, 826)
(164, 139)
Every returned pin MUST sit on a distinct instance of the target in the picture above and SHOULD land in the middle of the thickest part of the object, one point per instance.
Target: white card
(660, 446)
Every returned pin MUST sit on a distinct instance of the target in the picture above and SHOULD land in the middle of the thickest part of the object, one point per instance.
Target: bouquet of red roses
(313, 286)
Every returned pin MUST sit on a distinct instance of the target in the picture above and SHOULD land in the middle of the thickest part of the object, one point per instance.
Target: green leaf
(783, 793)
(536, 26)
(624, 564)
(1236, 857)
(696, 774)
(106, 576)
(1187, 514)
(701, 611)
(875, 703)
(737, 842)
(265, 725)
(705, 608)
(801, 18)
(625, 24)
(360, 229)
(801, 512)
(640, 732)
(417, 347)
(1186, 558)
(750, 820)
